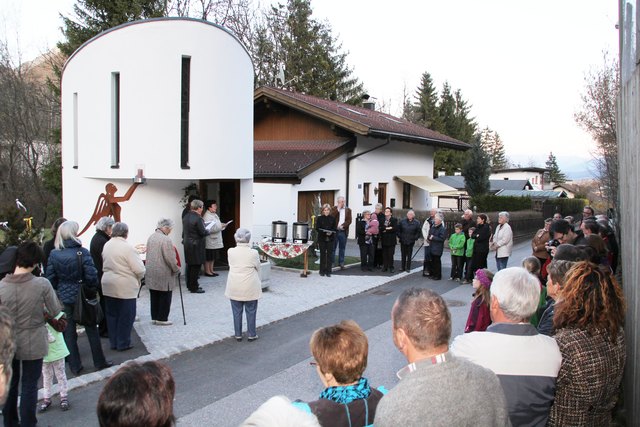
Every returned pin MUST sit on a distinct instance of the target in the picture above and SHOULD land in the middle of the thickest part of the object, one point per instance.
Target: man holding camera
(562, 232)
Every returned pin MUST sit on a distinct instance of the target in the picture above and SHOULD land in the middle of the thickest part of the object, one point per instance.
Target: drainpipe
(356, 156)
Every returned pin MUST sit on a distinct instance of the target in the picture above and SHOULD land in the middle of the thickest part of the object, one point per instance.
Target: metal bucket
(300, 231)
(278, 231)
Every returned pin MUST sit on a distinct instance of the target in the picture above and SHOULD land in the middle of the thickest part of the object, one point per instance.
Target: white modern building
(170, 99)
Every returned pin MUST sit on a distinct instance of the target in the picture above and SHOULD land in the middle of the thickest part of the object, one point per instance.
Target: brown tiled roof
(293, 158)
(360, 120)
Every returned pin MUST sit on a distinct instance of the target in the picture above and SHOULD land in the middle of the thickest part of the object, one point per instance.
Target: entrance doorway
(307, 199)
(227, 194)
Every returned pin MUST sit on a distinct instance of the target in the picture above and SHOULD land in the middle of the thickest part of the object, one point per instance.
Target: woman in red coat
(479, 318)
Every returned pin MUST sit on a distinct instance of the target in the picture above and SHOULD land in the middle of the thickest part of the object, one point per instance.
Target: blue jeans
(340, 243)
(31, 371)
(501, 263)
(121, 313)
(250, 309)
(71, 340)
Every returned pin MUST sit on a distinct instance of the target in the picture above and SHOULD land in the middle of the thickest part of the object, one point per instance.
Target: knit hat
(483, 279)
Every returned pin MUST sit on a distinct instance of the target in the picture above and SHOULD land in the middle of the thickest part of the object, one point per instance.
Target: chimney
(368, 102)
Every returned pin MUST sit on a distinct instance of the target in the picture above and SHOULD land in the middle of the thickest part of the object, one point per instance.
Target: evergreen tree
(95, 16)
(494, 148)
(311, 57)
(476, 170)
(425, 108)
(555, 174)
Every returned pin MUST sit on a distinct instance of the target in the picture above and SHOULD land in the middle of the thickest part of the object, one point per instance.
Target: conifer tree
(493, 146)
(476, 170)
(555, 174)
(425, 108)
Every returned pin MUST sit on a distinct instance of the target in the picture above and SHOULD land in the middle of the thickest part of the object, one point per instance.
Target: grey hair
(517, 292)
(468, 211)
(340, 197)
(440, 217)
(504, 214)
(242, 235)
(196, 204)
(120, 229)
(104, 223)
(364, 212)
(165, 222)
(68, 230)
(411, 211)
(379, 205)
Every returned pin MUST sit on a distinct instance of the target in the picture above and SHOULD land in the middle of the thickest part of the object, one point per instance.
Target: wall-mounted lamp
(322, 179)
(139, 178)
(375, 191)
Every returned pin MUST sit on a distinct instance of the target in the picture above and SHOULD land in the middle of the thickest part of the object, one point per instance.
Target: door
(227, 194)
(382, 193)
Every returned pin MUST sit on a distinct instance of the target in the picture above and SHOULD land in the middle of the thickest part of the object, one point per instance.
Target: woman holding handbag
(69, 267)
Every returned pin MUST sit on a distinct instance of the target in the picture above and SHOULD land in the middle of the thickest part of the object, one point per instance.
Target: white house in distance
(169, 99)
(308, 148)
(536, 176)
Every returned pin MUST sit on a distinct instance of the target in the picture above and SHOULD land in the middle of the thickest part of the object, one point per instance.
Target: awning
(434, 187)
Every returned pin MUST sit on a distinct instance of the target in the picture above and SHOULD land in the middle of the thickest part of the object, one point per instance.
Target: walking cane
(181, 300)
(414, 255)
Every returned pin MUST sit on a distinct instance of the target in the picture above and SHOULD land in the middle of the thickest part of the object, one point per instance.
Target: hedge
(498, 203)
(564, 206)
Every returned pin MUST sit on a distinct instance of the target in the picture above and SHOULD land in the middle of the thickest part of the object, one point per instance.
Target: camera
(553, 243)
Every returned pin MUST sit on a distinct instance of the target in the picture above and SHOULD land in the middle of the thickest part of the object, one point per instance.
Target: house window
(365, 193)
(184, 112)
(75, 130)
(406, 196)
(115, 120)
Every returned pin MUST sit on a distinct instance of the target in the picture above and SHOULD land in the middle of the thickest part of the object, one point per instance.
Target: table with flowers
(287, 250)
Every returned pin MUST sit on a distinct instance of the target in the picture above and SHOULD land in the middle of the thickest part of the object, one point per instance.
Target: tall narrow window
(365, 193)
(115, 120)
(75, 130)
(184, 112)
(406, 196)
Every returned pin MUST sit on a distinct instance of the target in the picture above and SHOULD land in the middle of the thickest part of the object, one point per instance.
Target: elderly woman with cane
(162, 271)
(244, 286)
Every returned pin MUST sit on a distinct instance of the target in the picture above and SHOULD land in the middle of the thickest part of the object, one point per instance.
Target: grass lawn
(298, 262)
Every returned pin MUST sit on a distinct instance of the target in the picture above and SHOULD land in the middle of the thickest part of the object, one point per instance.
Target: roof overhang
(429, 184)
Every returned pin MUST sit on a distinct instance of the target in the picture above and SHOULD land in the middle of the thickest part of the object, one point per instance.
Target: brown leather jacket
(538, 242)
(347, 218)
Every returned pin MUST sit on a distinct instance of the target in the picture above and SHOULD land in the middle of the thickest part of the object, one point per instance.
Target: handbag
(87, 311)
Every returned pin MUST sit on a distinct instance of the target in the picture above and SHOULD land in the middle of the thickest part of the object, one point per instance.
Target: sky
(521, 65)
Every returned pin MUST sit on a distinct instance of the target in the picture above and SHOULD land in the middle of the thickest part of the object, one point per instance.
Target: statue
(107, 204)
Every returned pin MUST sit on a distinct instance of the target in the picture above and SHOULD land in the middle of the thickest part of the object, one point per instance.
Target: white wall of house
(535, 178)
(148, 57)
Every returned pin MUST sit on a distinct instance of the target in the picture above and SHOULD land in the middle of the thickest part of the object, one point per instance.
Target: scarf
(347, 394)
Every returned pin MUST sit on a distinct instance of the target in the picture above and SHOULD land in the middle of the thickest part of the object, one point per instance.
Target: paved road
(222, 383)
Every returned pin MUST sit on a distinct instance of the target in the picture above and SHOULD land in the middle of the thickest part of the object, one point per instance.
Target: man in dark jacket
(409, 231)
(194, 244)
(481, 245)
(102, 236)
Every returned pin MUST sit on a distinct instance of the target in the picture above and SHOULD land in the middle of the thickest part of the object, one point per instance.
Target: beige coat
(122, 268)
(26, 296)
(502, 240)
(214, 239)
(162, 265)
(243, 282)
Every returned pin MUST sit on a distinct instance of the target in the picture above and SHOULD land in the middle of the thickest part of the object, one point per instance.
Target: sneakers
(44, 405)
(64, 404)
(163, 322)
(238, 338)
(250, 339)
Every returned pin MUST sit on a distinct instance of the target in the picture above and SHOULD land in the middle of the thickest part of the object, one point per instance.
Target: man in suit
(342, 215)
(194, 244)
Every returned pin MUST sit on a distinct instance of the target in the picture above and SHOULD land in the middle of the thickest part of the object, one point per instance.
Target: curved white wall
(148, 57)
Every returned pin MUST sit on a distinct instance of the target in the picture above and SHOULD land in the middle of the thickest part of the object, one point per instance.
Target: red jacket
(479, 318)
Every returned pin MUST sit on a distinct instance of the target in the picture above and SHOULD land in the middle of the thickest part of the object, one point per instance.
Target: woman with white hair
(502, 241)
(68, 264)
(123, 270)
(161, 270)
(244, 286)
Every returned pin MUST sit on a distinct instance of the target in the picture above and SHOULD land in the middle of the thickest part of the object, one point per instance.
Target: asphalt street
(222, 383)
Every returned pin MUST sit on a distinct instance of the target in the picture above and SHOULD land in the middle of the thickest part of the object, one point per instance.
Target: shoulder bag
(87, 311)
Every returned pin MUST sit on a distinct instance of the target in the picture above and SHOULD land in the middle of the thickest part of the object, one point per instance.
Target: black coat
(194, 238)
(389, 231)
(325, 222)
(437, 234)
(361, 233)
(409, 232)
(482, 236)
(97, 244)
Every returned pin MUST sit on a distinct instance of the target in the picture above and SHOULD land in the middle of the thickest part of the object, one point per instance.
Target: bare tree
(597, 116)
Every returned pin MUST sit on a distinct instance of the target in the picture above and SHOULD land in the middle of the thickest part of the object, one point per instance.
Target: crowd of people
(544, 340)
